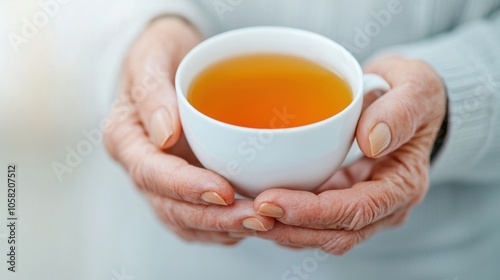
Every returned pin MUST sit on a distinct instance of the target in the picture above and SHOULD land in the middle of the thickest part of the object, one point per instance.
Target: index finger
(390, 189)
(160, 173)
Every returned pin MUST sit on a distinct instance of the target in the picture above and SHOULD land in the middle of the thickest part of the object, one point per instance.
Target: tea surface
(269, 91)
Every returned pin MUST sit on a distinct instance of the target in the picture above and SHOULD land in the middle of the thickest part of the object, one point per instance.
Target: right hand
(195, 203)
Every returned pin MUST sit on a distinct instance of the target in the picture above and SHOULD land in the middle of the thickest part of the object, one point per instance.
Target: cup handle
(371, 82)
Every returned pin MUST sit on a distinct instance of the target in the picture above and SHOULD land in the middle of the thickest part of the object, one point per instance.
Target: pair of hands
(396, 132)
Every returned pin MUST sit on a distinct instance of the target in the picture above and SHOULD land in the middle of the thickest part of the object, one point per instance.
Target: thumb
(393, 119)
(151, 70)
(387, 124)
(154, 97)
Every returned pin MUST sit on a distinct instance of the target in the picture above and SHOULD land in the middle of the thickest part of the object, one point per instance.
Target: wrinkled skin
(371, 195)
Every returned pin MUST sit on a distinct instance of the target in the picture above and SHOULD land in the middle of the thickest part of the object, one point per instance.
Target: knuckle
(359, 214)
(399, 192)
(341, 243)
(205, 218)
(138, 173)
(119, 138)
(425, 81)
(432, 82)
(286, 238)
(176, 182)
(408, 115)
(419, 66)
(321, 213)
(223, 226)
(414, 84)
(313, 216)
(416, 181)
(283, 239)
(179, 186)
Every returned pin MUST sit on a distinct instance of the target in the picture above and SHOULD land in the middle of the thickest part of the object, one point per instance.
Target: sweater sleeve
(468, 59)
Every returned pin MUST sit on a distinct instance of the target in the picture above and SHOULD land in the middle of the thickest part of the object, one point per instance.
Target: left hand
(396, 132)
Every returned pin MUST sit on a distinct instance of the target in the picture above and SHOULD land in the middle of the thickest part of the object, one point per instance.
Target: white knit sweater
(455, 233)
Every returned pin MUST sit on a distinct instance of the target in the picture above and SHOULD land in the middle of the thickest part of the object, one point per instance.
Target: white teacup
(254, 160)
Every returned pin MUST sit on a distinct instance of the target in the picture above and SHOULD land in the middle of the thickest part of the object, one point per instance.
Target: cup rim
(298, 32)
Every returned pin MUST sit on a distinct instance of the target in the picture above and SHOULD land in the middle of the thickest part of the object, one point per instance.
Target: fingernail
(213, 198)
(380, 138)
(253, 224)
(161, 127)
(271, 210)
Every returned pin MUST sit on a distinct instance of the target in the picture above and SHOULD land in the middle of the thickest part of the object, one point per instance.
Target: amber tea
(269, 91)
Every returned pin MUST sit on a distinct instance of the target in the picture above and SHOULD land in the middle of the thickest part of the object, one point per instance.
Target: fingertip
(266, 197)
(266, 222)
(362, 138)
(173, 177)
(274, 202)
(217, 190)
(177, 133)
(161, 129)
(380, 138)
(175, 124)
(378, 124)
(253, 223)
(373, 134)
(213, 198)
(270, 210)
